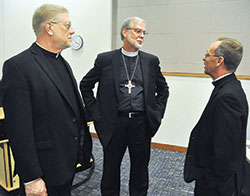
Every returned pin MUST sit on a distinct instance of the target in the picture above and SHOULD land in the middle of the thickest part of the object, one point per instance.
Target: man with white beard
(127, 111)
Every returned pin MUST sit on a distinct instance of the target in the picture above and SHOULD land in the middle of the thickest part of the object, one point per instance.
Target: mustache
(139, 39)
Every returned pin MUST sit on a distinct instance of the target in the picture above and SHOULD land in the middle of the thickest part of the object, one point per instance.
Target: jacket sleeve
(87, 85)
(162, 92)
(18, 121)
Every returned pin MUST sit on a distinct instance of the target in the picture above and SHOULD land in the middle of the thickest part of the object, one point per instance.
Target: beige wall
(1, 34)
(90, 19)
(180, 32)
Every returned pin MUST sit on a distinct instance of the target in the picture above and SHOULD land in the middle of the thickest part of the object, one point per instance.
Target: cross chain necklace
(130, 85)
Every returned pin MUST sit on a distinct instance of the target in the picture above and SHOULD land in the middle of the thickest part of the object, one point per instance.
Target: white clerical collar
(130, 54)
(221, 77)
(56, 54)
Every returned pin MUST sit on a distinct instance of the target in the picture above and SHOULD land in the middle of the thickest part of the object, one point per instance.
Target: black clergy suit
(103, 109)
(43, 124)
(217, 147)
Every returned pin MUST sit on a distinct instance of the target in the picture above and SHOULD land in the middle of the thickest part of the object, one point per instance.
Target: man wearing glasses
(127, 111)
(217, 147)
(45, 120)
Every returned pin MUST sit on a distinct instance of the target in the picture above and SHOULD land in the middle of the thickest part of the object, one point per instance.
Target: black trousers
(206, 191)
(134, 134)
(63, 190)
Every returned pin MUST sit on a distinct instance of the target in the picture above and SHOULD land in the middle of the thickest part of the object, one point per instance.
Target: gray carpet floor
(165, 175)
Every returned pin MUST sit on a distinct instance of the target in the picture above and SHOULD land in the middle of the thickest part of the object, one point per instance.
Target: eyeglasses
(208, 55)
(67, 25)
(138, 31)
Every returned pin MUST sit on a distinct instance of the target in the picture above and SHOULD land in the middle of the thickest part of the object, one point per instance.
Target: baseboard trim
(158, 145)
(169, 147)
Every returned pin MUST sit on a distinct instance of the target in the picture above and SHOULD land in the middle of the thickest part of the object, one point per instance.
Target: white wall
(1, 34)
(180, 32)
(187, 100)
(90, 19)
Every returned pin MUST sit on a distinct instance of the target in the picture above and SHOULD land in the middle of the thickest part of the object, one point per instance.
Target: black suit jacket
(40, 121)
(217, 147)
(103, 110)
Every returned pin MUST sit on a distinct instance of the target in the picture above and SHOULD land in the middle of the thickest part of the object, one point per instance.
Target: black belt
(131, 114)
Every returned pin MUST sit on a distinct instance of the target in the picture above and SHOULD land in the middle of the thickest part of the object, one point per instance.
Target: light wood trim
(8, 182)
(4, 141)
(184, 74)
(169, 147)
(89, 123)
(157, 145)
(198, 75)
(6, 158)
(2, 116)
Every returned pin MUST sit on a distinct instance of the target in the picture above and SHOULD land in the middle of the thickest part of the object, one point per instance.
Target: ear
(220, 61)
(49, 28)
(124, 32)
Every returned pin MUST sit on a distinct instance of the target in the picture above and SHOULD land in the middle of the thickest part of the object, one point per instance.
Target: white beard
(134, 43)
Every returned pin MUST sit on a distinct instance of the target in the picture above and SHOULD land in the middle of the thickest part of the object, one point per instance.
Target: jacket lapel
(218, 85)
(43, 63)
(145, 73)
(212, 96)
(75, 86)
(116, 62)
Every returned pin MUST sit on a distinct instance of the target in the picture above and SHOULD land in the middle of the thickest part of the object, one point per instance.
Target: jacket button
(74, 120)
(76, 138)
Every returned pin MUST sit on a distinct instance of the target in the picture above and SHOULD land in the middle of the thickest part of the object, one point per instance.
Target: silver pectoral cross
(129, 86)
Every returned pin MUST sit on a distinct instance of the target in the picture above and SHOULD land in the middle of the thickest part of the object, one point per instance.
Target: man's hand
(36, 188)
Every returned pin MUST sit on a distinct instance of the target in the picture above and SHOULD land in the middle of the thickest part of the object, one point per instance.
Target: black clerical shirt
(135, 100)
